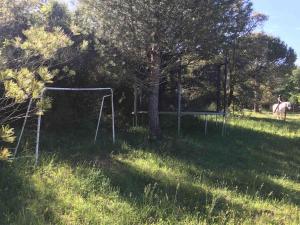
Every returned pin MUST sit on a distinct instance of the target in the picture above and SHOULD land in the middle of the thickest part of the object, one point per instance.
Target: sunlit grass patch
(266, 123)
(224, 189)
(65, 195)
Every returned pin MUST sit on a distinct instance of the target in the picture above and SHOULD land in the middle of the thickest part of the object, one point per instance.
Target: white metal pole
(38, 131)
(135, 119)
(38, 139)
(226, 121)
(72, 89)
(23, 126)
(205, 124)
(99, 118)
(179, 106)
(113, 116)
(76, 89)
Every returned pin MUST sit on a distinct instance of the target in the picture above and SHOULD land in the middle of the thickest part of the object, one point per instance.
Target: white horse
(280, 111)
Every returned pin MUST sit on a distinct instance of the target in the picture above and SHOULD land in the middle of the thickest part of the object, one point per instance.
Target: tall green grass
(249, 176)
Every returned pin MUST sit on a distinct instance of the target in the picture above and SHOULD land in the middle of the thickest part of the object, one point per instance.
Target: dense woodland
(212, 48)
(240, 167)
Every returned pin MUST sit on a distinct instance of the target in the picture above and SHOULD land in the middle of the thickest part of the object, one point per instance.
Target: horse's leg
(284, 115)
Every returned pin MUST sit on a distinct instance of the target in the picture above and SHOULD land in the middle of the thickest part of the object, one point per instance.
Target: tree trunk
(256, 107)
(230, 95)
(232, 75)
(135, 94)
(154, 61)
(218, 86)
(256, 98)
(179, 102)
(225, 84)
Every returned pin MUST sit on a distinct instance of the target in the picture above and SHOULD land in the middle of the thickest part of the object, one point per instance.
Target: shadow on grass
(245, 161)
(16, 191)
(173, 198)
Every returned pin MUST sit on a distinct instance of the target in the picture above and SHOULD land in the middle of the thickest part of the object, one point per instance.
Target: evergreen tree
(147, 30)
(27, 52)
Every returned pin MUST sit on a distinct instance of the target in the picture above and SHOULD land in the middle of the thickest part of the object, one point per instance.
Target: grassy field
(249, 176)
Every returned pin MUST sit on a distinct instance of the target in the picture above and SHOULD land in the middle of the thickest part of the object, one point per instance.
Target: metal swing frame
(111, 95)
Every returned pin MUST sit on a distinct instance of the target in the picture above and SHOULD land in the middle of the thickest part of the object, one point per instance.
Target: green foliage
(43, 105)
(295, 99)
(7, 134)
(54, 14)
(45, 75)
(294, 82)
(68, 71)
(38, 47)
(296, 77)
(40, 42)
(5, 154)
(262, 63)
(15, 16)
(22, 84)
(33, 50)
(84, 45)
(134, 25)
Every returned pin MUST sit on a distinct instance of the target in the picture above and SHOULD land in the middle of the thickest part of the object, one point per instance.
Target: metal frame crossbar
(205, 114)
(67, 89)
